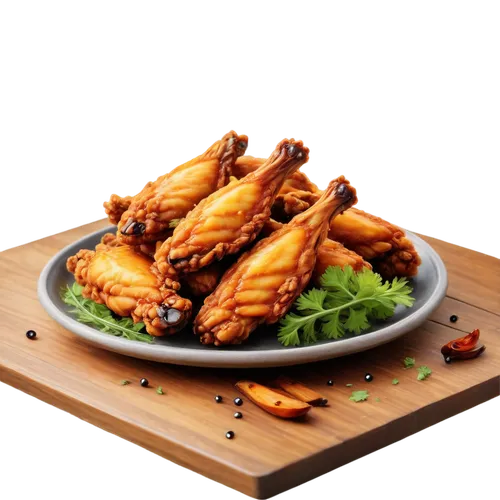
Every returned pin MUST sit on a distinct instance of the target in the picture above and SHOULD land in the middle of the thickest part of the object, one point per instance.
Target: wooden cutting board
(267, 455)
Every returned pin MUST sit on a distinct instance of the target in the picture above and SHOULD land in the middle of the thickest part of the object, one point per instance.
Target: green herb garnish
(348, 385)
(395, 381)
(409, 362)
(98, 315)
(174, 223)
(347, 302)
(358, 396)
(159, 390)
(423, 372)
(125, 382)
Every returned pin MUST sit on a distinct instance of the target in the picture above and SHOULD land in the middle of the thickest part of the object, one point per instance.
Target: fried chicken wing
(330, 253)
(376, 240)
(116, 206)
(205, 281)
(146, 217)
(296, 195)
(121, 278)
(263, 284)
(230, 218)
(382, 243)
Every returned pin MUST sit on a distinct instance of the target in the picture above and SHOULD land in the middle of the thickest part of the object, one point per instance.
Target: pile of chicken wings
(245, 234)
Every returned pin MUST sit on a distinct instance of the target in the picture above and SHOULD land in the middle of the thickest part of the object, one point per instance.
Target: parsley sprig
(346, 302)
(98, 315)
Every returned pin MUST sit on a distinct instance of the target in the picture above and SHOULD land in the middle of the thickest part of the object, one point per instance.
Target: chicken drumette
(263, 284)
(376, 240)
(230, 218)
(330, 253)
(146, 217)
(121, 278)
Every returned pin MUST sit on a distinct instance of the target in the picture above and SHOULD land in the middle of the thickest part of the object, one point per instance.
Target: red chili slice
(464, 347)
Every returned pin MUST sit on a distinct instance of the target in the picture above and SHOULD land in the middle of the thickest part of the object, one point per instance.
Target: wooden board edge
(190, 459)
(330, 459)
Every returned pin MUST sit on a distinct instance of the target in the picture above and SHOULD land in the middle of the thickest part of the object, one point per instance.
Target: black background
(428, 168)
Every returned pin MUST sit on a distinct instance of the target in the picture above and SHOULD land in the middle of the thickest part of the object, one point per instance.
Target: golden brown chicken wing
(376, 240)
(230, 218)
(262, 286)
(297, 194)
(121, 278)
(205, 281)
(146, 217)
(330, 253)
(115, 207)
(382, 243)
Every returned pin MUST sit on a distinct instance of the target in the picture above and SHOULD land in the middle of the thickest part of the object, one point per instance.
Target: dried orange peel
(300, 391)
(272, 401)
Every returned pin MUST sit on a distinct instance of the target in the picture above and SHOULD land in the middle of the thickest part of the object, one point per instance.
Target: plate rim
(211, 357)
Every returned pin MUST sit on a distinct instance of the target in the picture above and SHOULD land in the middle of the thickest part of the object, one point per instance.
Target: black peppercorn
(447, 360)
(230, 434)
(368, 377)
(238, 401)
(330, 382)
(453, 318)
(218, 399)
(144, 382)
(31, 334)
(238, 414)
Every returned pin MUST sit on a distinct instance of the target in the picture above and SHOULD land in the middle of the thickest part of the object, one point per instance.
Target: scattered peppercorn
(230, 434)
(238, 401)
(218, 399)
(453, 318)
(330, 382)
(323, 402)
(144, 382)
(368, 377)
(31, 334)
(447, 360)
(238, 414)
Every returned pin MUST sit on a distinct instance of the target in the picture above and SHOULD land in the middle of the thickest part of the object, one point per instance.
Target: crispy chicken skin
(263, 284)
(115, 207)
(383, 244)
(231, 218)
(200, 283)
(297, 188)
(205, 281)
(121, 278)
(146, 217)
(149, 249)
(330, 253)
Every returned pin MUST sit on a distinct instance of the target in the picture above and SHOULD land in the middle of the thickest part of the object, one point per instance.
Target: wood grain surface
(267, 455)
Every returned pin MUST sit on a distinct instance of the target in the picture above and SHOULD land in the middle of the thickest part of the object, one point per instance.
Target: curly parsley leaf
(159, 390)
(346, 302)
(99, 316)
(395, 381)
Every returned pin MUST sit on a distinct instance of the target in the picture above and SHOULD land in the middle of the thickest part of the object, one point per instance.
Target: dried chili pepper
(467, 347)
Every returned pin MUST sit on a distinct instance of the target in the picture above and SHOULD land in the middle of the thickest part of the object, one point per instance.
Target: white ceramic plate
(263, 348)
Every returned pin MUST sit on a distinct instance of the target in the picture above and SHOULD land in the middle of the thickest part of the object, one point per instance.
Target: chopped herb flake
(358, 396)
(125, 382)
(409, 362)
(423, 372)
(395, 381)
(159, 390)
